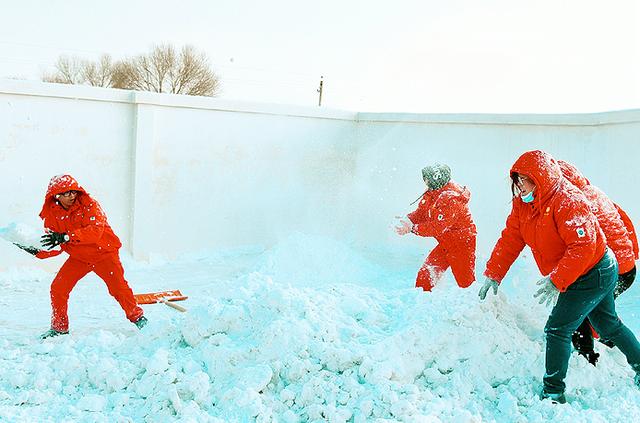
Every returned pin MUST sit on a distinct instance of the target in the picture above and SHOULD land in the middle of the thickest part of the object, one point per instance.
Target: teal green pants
(590, 296)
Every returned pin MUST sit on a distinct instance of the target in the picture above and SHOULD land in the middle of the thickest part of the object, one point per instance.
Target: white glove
(403, 227)
(488, 283)
(548, 293)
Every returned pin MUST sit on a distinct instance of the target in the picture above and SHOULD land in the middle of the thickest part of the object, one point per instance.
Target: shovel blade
(157, 297)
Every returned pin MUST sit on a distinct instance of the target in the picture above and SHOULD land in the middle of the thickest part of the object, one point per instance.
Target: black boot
(51, 333)
(582, 340)
(555, 398)
(590, 356)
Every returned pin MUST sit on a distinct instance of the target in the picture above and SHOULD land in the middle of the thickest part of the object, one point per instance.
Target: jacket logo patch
(581, 233)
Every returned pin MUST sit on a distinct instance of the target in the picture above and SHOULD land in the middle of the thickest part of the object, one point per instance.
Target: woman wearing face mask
(553, 218)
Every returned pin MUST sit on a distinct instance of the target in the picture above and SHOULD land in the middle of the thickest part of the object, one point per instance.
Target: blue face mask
(527, 198)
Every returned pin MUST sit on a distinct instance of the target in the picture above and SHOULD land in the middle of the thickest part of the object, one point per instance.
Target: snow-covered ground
(310, 330)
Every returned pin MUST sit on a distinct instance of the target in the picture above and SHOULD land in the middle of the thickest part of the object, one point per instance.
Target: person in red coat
(554, 218)
(443, 213)
(619, 239)
(75, 222)
(630, 230)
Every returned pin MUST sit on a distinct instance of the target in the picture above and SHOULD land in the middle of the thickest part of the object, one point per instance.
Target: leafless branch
(161, 70)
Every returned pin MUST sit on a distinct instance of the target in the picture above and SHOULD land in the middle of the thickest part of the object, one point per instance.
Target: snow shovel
(165, 297)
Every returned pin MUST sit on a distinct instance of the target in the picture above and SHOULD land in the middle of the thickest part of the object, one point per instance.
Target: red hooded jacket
(90, 236)
(558, 226)
(444, 214)
(608, 217)
(631, 231)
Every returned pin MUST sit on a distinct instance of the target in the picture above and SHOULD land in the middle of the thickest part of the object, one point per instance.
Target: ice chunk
(22, 234)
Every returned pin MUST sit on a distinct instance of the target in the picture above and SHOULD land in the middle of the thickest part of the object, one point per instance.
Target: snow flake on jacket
(558, 226)
(630, 230)
(444, 214)
(611, 223)
(90, 236)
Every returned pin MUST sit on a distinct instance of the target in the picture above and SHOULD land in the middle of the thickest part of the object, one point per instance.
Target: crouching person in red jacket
(75, 222)
(443, 213)
(622, 241)
(554, 218)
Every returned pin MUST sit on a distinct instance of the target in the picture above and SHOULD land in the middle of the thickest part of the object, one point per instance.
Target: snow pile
(267, 351)
(305, 260)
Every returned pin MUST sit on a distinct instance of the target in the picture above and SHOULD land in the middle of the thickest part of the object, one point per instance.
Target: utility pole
(320, 92)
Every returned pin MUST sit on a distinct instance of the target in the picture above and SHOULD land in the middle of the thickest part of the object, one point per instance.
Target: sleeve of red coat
(507, 249)
(577, 227)
(93, 224)
(630, 229)
(446, 213)
(614, 229)
(44, 254)
(418, 215)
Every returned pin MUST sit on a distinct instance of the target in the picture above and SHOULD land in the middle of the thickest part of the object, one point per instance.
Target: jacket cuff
(491, 276)
(559, 286)
(46, 254)
(625, 266)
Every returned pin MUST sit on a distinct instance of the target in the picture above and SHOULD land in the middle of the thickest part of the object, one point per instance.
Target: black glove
(624, 282)
(31, 250)
(51, 239)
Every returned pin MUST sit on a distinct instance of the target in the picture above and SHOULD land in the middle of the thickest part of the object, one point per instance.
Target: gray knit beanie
(436, 175)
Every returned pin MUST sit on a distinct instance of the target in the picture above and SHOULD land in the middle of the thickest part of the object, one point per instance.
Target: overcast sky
(431, 56)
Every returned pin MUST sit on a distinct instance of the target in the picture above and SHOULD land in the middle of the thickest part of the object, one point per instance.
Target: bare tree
(194, 76)
(162, 70)
(124, 75)
(165, 71)
(68, 71)
(98, 74)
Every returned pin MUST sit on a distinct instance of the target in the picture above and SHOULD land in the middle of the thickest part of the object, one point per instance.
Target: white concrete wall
(480, 150)
(178, 174)
(242, 175)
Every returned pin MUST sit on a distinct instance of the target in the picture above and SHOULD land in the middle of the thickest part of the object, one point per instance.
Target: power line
(48, 47)
(23, 61)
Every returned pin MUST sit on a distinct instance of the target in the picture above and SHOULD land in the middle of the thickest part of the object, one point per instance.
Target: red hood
(57, 185)
(573, 175)
(463, 191)
(543, 170)
(450, 189)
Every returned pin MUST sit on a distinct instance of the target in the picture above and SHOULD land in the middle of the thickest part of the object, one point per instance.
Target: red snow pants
(460, 256)
(109, 269)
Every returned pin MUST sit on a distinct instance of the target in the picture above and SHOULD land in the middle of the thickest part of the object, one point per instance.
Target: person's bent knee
(610, 332)
(57, 292)
(559, 333)
(466, 283)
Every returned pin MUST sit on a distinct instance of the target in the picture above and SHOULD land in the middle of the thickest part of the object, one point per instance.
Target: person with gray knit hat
(436, 176)
(443, 213)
